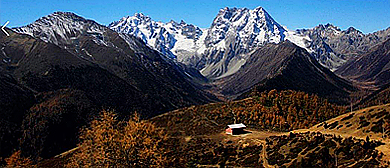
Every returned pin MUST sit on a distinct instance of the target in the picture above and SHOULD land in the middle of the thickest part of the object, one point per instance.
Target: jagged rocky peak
(353, 30)
(190, 31)
(333, 47)
(141, 16)
(60, 27)
(330, 26)
(132, 25)
(254, 27)
(58, 18)
(137, 19)
(70, 15)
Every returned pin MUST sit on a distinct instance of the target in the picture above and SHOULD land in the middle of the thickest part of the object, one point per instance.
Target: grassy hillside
(313, 149)
(372, 122)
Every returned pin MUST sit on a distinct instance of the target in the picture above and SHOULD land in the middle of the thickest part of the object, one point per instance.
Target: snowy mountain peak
(253, 27)
(329, 26)
(140, 15)
(235, 32)
(353, 30)
(136, 19)
(168, 38)
(262, 13)
(259, 8)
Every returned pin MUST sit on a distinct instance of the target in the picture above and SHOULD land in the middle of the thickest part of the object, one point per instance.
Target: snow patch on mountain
(299, 40)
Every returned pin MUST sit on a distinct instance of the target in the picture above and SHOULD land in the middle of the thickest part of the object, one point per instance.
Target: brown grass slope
(372, 122)
(314, 149)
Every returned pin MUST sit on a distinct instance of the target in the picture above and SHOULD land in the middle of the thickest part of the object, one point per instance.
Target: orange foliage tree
(16, 160)
(112, 143)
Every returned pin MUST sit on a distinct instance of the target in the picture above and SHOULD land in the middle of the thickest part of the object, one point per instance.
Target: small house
(235, 129)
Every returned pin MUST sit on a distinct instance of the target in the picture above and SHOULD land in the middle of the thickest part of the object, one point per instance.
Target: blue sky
(365, 15)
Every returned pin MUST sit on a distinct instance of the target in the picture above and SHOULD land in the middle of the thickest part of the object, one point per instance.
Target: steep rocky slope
(379, 97)
(15, 100)
(40, 69)
(372, 67)
(285, 66)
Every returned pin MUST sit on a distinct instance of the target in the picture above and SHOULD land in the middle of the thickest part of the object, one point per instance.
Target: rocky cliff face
(333, 47)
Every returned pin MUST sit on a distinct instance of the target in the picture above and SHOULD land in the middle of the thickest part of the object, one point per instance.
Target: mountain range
(58, 72)
(221, 49)
(217, 51)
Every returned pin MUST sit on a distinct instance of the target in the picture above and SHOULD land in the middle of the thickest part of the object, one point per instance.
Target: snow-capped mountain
(234, 33)
(217, 51)
(169, 38)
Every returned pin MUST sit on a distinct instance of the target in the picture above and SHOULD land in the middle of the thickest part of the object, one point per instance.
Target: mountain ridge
(333, 47)
(214, 51)
(122, 55)
(221, 49)
(371, 67)
(285, 66)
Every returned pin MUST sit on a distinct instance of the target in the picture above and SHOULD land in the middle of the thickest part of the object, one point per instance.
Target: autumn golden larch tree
(109, 142)
(16, 160)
